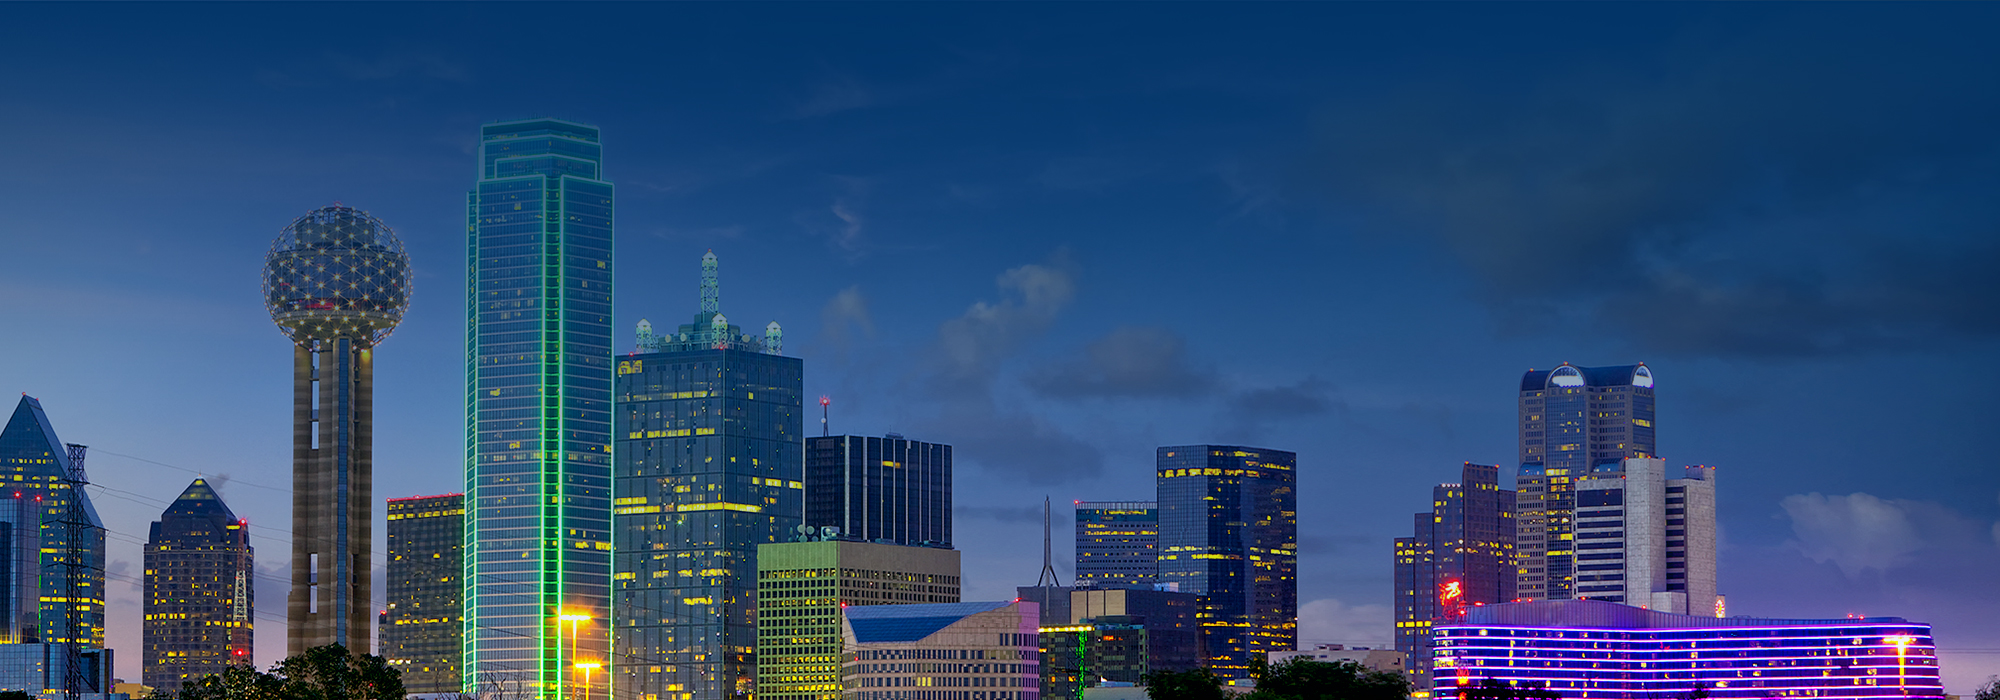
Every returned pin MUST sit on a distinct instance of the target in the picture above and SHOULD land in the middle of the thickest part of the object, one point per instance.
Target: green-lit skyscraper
(538, 413)
(710, 465)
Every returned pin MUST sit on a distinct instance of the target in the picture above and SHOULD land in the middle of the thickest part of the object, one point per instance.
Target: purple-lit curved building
(1597, 649)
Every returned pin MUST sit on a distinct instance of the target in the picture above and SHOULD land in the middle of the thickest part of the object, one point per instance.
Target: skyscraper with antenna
(709, 430)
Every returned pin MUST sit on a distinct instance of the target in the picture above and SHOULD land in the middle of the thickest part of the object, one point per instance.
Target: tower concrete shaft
(333, 392)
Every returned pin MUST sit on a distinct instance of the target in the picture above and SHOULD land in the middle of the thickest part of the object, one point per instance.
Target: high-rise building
(1460, 555)
(1598, 649)
(199, 598)
(336, 282)
(710, 465)
(802, 587)
(538, 412)
(422, 626)
(948, 651)
(880, 489)
(1117, 544)
(21, 572)
(1648, 541)
(38, 465)
(1572, 420)
(1229, 533)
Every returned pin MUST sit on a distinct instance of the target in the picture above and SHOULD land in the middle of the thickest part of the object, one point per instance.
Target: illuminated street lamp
(1902, 642)
(587, 667)
(576, 620)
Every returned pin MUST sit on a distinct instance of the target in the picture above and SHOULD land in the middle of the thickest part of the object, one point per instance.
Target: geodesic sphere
(337, 273)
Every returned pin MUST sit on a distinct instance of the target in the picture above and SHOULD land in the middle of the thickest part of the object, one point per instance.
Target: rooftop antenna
(824, 402)
(711, 290)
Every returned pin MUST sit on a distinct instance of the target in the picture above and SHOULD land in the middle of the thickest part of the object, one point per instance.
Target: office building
(1461, 555)
(336, 283)
(538, 412)
(71, 599)
(1229, 533)
(1377, 660)
(1638, 653)
(709, 466)
(21, 572)
(422, 625)
(802, 587)
(880, 489)
(44, 671)
(1572, 420)
(1119, 635)
(1648, 541)
(199, 601)
(1117, 544)
(948, 651)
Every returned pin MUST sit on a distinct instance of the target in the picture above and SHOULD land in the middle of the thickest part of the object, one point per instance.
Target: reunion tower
(336, 282)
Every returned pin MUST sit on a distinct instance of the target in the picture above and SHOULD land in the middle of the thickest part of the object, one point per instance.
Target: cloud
(1128, 362)
(1330, 621)
(967, 357)
(846, 312)
(1857, 532)
(1309, 397)
(850, 223)
(1005, 514)
(1756, 204)
(971, 346)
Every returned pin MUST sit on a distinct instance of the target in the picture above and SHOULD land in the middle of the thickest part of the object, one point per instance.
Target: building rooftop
(1608, 615)
(1571, 375)
(910, 623)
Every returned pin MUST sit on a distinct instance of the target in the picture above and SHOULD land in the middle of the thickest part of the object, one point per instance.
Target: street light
(587, 667)
(576, 620)
(1902, 642)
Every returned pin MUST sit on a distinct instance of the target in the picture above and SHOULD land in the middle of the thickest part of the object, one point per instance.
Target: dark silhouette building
(1229, 534)
(880, 489)
(1574, 422)
(710, 464)
(1461, 555)
(199, 598)
(424, 621)
(1117, 544)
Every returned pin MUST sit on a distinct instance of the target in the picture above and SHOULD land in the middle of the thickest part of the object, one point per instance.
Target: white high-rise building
(1645, 540)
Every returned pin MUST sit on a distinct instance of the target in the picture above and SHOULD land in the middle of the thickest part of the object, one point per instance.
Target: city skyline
(1048, 254)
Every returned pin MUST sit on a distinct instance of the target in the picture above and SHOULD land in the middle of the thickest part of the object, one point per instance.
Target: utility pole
(76, 526)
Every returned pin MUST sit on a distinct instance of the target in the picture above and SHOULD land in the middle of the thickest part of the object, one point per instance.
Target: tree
(1310, 679)
(322, 673)
(1191, 684)
(1990, 691)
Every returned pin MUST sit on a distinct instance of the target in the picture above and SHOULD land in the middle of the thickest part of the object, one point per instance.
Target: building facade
(1229, 533)
(21, 572)
(1461, 554)
(948, 651)
(200, 605)
(802, 587)
(1377, 660)
(1573, 420)
(1119, 635)
(422, 627)
(1648, 541)
(538, 411)
(43, 670)
(70, 604)
(709, 466)
(336, 283)
(880, 489)
(1117, 544)
(1597, 649)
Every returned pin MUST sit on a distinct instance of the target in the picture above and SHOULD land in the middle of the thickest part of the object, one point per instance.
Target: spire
(1048, 578)
(711, 290)
(199, 500)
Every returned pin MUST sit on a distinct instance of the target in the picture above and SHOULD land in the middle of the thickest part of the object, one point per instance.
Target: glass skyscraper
(1229, 533)
(1461, 554)
(880, 489)
(35, 461)
(198, 594)
(1574, 422)
(538, 412)
(710, 464)
(1117, 544)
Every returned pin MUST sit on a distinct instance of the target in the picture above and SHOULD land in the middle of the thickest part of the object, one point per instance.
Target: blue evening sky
(1059, 236)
